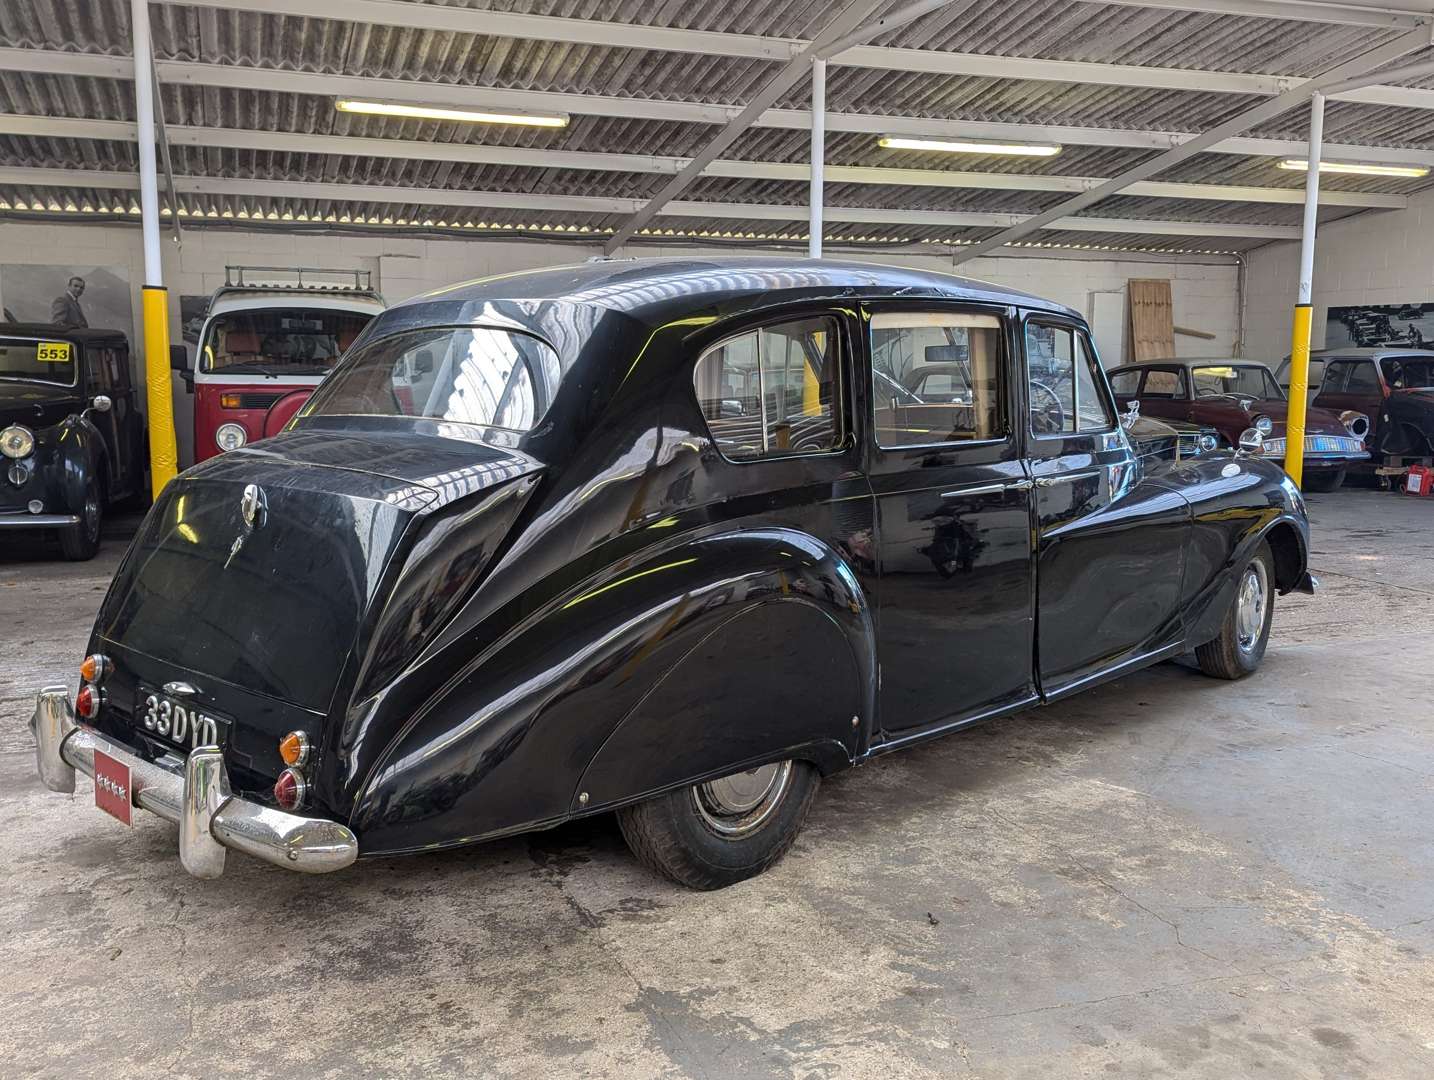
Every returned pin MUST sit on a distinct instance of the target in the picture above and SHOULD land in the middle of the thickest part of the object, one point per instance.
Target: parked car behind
(1234, 396)
(73, 437)
(1393, 387)
(670, 538)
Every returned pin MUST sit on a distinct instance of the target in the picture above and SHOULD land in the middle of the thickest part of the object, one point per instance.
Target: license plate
(178, 721)
(113, 794)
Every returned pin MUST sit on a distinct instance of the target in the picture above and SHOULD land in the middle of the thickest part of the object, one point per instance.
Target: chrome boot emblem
(254, 509)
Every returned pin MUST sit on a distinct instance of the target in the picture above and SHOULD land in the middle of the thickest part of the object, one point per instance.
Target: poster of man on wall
(1368, 325)
(68, 296)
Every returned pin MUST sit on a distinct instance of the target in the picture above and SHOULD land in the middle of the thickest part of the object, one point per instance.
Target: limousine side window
(1064, 382)
(773, 391)
(936, 377)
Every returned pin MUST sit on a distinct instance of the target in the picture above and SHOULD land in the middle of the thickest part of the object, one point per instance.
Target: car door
(1352, 382)
(1110, 548)
(99, 379)
(955, 621)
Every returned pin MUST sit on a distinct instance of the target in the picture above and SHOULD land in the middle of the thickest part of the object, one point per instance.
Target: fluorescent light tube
(1355, 169)
(970, 146)
(438, 112)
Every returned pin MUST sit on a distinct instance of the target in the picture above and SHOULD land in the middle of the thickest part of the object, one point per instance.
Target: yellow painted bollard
(163, 457)
(1299, 395)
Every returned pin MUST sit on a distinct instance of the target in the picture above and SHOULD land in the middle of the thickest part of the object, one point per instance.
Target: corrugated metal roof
(1044, 29)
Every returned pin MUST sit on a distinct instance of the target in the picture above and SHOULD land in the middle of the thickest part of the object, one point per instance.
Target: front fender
(1236, 503)
(67, 456)
(660, 671)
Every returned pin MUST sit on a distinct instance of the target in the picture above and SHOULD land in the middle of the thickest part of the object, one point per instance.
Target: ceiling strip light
(970, 146)
(1356, 169)
(436, 112)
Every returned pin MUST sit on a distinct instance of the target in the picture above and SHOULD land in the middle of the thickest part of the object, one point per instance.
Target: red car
(1394, 386)
(1233, 396)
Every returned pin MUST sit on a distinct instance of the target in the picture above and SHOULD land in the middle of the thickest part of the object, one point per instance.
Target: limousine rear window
(468, 375)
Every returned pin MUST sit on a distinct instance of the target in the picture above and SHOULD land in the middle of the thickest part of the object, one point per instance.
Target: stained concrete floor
(1166, 876)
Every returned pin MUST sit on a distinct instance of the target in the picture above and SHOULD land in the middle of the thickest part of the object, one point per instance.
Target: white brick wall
(1203, 289)
(1378, 257)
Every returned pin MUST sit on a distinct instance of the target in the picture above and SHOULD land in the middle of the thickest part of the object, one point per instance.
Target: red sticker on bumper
(112, 787)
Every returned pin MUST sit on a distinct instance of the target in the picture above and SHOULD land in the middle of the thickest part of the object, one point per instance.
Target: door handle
(989, 489)
(1068, 478)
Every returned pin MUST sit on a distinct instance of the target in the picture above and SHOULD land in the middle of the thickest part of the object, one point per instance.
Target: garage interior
(1161, 877)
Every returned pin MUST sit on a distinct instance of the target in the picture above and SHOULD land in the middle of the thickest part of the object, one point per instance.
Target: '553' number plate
(179, 721)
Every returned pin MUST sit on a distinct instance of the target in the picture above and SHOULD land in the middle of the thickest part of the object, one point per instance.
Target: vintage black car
(70, 431)
(672, 538)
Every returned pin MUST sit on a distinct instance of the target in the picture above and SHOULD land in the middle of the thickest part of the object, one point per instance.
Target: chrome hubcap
(739, 804)
(1250, 608)
(92, 515)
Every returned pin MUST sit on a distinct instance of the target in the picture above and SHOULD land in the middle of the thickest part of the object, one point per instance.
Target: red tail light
(290, 789)
(88, 701)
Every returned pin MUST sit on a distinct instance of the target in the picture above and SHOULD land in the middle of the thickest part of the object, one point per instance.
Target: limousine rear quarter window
(773, 391)
(469, 375)
(936, 377)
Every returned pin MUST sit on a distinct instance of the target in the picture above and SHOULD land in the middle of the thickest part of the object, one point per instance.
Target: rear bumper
(194, 794)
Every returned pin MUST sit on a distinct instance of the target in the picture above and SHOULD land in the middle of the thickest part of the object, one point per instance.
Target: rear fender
(647, 676)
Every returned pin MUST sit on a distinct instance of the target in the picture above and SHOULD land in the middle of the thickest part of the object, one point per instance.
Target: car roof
(1191, 361)
(1367, 353)
(655, 290)
(79, 335)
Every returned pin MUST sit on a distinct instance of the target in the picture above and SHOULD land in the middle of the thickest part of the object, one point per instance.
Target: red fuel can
(1420, 480)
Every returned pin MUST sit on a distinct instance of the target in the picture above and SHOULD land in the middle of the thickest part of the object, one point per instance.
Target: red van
(270, 336)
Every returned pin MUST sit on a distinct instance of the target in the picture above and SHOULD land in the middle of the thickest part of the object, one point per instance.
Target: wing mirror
(1252, 441)
(178, 358)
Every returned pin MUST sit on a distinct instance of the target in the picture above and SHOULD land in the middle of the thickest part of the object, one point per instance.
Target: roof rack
(291, 279)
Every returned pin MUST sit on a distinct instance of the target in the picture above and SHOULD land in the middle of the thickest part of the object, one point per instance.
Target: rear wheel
(718, 833)
(1325, 480)
(1245, 632)
(81, 540)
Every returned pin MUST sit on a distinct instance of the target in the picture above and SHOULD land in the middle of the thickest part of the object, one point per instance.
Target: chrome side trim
(988, 489)
(1068, 478)
(197, 799)
(38, 521)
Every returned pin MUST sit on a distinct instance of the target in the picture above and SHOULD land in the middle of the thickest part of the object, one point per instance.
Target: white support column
(144, 114)
(1307, 227)
(1304, 313)
(819, 152)
(163, 454)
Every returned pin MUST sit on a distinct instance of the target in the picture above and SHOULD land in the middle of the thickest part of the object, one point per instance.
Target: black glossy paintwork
(495, 626)
(71, 448)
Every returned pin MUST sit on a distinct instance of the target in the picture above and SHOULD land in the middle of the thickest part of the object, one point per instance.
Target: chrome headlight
(1356, 423)
(1264, 425)
(1208, 443)
(231, 436)
(16, 441)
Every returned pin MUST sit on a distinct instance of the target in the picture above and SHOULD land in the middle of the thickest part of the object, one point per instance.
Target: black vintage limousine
(673, 538)
(71, 434)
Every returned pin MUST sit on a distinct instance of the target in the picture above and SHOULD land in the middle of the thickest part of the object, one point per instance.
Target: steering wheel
(1047, 415)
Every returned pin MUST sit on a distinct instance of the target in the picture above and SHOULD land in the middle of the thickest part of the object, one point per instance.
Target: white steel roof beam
(652, 164)
(1363, 65)
(876, 57)
(588, 204)
(407, 90)
(1390, 16)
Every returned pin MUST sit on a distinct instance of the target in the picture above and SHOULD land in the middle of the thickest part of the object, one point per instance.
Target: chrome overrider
(194, 795)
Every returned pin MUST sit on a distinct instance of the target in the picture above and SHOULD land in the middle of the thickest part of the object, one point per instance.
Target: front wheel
(1246, 628)
(81, 540)
(718, 833)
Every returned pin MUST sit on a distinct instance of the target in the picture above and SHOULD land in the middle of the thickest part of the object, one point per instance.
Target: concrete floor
(1167, 876)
